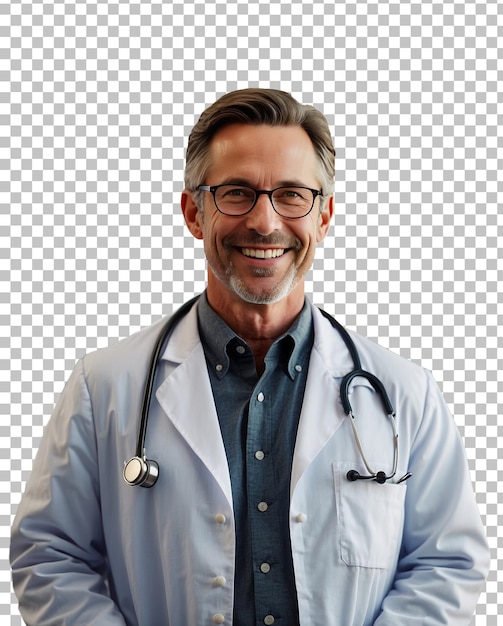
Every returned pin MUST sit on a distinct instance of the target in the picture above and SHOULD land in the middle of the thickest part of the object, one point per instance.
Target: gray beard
(279, 292)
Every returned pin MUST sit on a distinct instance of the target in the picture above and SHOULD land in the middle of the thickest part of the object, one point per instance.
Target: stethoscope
(144, 472)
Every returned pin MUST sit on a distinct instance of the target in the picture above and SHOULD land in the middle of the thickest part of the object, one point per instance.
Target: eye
(229, 191)
(234, 192)
(291, 193)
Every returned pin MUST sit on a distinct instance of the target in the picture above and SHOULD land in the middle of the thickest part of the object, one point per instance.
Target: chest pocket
(370, 519)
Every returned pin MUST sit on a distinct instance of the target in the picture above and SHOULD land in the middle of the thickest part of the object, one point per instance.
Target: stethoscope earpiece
(381, 478)
(353, 475)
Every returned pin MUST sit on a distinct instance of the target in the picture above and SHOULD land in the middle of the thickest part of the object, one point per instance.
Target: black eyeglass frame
(258, 192)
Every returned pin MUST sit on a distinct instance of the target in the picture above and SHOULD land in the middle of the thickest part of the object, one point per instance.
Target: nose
(263, 219)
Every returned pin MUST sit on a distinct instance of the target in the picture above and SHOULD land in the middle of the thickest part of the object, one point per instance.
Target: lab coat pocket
(370, 518)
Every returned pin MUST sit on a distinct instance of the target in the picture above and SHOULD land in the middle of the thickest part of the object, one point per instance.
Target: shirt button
(220, 518)
(301, 518)
(298, 368)
(218, 618)
(262, 506)
(260, 397)
(265, 568)
(269, 620)
(219, 367)
(259, 455)
(220, 581)
(240, 349)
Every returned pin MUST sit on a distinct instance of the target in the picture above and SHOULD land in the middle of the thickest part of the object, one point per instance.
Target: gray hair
(256, 106)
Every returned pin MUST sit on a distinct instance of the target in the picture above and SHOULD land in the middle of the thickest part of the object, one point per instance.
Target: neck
(257, 324)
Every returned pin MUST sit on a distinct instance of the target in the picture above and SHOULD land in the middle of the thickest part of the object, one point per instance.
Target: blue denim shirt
(258, 417)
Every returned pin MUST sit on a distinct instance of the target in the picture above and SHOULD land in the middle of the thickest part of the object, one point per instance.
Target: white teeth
(263, 254)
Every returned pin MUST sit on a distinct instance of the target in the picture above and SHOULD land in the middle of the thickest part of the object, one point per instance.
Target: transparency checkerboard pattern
(97, 100)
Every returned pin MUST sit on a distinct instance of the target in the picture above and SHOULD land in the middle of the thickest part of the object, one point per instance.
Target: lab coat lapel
(187, 399)
(322, 413)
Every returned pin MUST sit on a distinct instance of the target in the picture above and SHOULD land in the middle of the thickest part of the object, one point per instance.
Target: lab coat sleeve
(57, 549)
(444, 559)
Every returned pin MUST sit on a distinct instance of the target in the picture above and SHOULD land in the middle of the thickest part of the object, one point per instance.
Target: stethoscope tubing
(164, 335)
(145, 473)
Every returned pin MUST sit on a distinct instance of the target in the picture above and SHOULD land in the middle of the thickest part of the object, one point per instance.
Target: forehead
(261, 150)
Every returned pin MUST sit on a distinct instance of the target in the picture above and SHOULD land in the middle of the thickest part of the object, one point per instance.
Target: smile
(256, 253)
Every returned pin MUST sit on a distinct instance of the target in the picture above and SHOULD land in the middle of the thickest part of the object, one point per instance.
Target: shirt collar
(217, 338)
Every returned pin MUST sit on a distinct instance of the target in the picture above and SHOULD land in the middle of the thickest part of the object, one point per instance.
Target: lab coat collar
(184, 339)
(327, 342)
(322, 413)
(330, 346)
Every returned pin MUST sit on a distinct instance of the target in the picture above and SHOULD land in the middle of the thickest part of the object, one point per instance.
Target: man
(269, 508)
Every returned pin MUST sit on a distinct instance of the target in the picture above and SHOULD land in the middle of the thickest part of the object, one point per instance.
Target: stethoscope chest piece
(141, 472)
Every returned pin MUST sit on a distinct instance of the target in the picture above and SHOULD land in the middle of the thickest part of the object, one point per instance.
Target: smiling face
(259, 257)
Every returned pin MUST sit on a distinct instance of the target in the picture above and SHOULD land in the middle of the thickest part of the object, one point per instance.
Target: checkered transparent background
(97, 100)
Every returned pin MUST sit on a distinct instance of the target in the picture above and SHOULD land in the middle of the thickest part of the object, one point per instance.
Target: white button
(260, 397)
(240, 349)
(298, 368)
(268, 620)
(219, 367)
(220, 518)
(265, 568)
(301, 518)
(262, 506)
(218, 618)
(220, 581)
(259, 455)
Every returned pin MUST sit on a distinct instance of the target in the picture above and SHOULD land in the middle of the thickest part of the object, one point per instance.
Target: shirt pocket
(370, 518)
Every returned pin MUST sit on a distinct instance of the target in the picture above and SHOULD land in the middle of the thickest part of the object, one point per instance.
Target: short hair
(256, 106)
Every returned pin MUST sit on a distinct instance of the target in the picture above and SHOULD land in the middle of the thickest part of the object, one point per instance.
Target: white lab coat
(89, 550)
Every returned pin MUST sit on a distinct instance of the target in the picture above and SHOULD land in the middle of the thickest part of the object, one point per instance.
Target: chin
(263, 296)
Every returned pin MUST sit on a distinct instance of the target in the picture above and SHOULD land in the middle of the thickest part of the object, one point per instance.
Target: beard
(263, 295)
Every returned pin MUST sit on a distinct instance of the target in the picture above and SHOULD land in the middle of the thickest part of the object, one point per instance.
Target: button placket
(263, 420)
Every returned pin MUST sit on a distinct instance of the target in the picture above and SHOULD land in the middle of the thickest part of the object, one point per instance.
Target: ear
(325, 218)
(192, 214)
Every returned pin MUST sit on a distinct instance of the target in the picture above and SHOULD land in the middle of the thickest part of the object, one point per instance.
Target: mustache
(275, 239)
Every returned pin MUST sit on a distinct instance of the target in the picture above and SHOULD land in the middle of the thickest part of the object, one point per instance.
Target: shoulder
(376, 357)
(126, 357)
(392, 369)
(131, 357)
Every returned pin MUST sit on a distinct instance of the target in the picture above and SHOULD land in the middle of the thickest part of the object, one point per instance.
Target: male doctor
(253, 519)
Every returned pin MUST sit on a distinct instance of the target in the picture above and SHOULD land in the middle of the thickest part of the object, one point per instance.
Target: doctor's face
(260, 257)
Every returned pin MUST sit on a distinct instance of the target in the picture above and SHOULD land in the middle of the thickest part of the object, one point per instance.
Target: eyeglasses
(236, 200)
